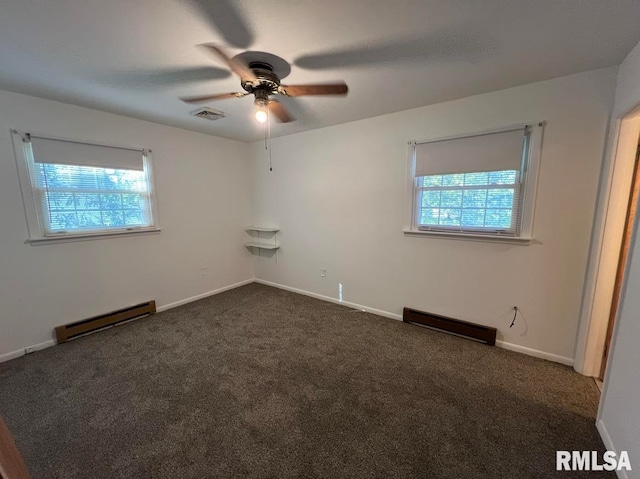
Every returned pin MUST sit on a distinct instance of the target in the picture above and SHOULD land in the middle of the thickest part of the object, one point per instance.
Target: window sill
(524, 241)
(89, 236)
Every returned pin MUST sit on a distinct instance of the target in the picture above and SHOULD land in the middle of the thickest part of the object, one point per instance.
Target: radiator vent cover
(80, 328)
(477, 332)
(208, 113)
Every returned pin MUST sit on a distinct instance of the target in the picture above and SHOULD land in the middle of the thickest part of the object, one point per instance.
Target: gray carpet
(259, 382)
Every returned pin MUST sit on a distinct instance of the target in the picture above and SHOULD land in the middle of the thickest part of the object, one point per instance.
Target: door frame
(606, 241)
(631, 215)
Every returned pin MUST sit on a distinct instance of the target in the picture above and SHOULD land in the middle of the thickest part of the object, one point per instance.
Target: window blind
(485, 152)
(88, 188)
(62, 152)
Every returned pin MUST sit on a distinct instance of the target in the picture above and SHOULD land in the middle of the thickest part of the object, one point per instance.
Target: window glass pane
(63, 221)
(474, 198)
(473, 217)
(113, 217)
(472, 179)
(431, 198)
(429, 216)
(87, 201)
(69, 177)
(433, 180)
(111, 202)
(61, 201)
(453, 180)
(134, 217)
(451, 198)
(107, 181)
(507, 177)
(500, 198)
(498, 218)
(90, 219)
(131, 201)
(450, 217)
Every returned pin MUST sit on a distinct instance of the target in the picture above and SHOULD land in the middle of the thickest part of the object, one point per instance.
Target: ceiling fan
(259, 79)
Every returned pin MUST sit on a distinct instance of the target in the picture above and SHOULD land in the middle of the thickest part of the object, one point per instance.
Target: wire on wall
(515, 313)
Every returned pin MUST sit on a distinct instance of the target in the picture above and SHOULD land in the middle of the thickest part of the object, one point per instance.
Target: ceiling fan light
(261, 115)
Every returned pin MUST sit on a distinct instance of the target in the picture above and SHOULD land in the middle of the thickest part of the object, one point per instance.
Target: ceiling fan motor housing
(268, 81)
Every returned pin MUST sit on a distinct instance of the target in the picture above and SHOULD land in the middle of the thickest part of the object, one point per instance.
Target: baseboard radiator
(477, 332)
(80, 328)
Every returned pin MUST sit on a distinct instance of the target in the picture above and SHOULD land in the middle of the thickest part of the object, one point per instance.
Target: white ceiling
(136, 57)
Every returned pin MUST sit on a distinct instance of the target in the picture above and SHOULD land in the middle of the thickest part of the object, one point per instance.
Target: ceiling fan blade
(221, 96)
(454, 46)
(228, 19)
(303, 90)
(236, 66)
(280, 112)
(165, 77)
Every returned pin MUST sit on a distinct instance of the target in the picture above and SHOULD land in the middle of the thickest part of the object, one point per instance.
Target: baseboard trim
(608, 444)
(197, 297)
(501, 344)
(604, 434)
(329, 299)
(398, 317)
(535, 352)
(21, 352)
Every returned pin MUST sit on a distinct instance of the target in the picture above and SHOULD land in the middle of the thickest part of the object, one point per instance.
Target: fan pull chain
(269, 136)
(265, 132)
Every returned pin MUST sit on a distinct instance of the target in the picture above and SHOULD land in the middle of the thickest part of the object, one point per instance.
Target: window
(475, 185)
(479, 201)
(79, 189)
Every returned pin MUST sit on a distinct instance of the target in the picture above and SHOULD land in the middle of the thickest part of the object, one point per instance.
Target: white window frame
(36, 235)
(530, 172)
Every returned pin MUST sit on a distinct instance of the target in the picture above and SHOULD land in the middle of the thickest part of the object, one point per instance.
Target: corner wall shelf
(271, 245)
(263, 229)
(262, 245)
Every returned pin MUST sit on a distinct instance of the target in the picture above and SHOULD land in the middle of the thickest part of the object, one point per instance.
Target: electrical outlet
(203, 271)
(323, 273)
(29, 350)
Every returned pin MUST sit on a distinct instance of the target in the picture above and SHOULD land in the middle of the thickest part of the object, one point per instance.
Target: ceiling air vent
(208, 113)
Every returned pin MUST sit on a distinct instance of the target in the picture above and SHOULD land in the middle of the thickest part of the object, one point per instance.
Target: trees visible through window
(471, 200)
(82, 198)
(472, 184)
(74, 188)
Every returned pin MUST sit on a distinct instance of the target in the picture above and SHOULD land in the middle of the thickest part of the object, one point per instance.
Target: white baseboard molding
(501, 344)
(197, 297)
(378, 312)
(329, 299)
(46, 344)
(609, 446)
(23, 351)
(535, 352)
(604, 434)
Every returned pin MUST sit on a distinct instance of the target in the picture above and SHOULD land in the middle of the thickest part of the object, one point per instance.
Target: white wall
(628, 84)
(203, 199)
(338, 196)
(618, 418)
